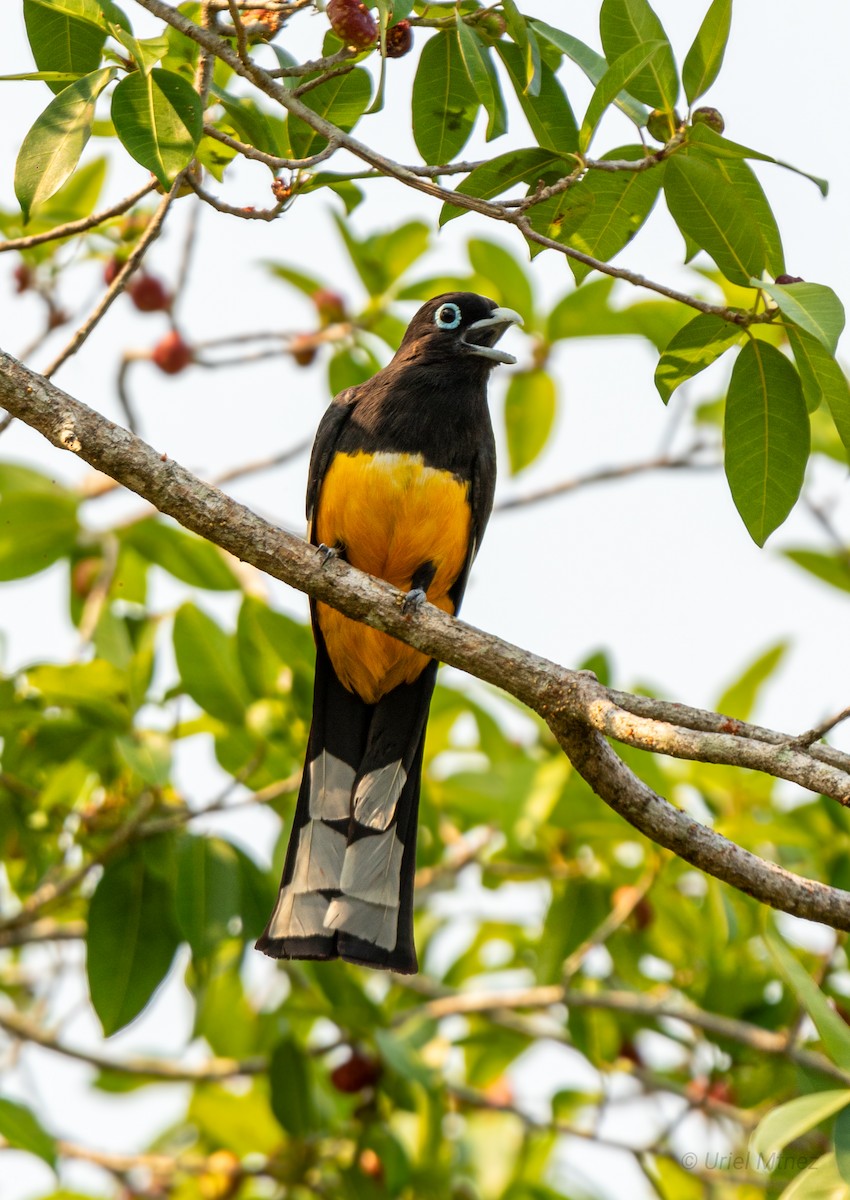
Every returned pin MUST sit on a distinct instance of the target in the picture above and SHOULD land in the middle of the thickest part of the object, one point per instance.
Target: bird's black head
(459, 326)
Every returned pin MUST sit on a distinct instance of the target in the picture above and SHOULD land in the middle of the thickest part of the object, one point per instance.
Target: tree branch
(85, 223)
(387, 167)
(578, 710)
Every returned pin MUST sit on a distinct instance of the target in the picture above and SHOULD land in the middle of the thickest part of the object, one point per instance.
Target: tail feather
(347, 886)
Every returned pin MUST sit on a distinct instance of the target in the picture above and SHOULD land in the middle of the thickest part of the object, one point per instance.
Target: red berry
(786, 279)
(352, 22)
(356, 1073)
(172, 355)
(399, 39)
(371, 1165)
(303, 349)
(330, 305)
(149, 294)
(111, 270)
(23, 278)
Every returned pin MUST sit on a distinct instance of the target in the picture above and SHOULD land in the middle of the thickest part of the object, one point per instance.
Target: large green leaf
(767, 438)
(714, 216)
(530, 406)
(209, 671)
(506, 275)
(692, 349)
(272, 648)
(621, 72)
(342, 101)
(624, 24)
(483, 77)
(705, 57)
(796, 1117)
(131, 939)
(622, 201)
(548, 113)
(750, 193)
(38, 522)
(52, 147)
(65, 36)
(832, 1029)
(444, 102)
(159, 120)
(292, 1099)
(593, 65)
(381, 260)
(504, 172)
(703, 135)
(98, 689)
(829, 568)
(195, 561)
(823, 379)
(207, 896)
(23, 1131)
(812, 306)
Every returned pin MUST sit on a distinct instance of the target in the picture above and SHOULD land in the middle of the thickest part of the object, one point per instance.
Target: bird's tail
(347, 886)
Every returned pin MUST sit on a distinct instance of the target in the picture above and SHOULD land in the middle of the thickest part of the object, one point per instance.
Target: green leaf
(526, 43)
(705, 57)
(62, 77)
(692, 349)
(271, 647)
(483, 77)
(444, 102)
(499, 267)
(622, 71)
(308, 284)
(255, 126)
(593, 65)
(823, 379)
(818, 1180)
(290, 1078)
(381, 260)
(38, 522)
(794, 1118)
(706, 209)
(97, 689)
(626, 24)
(621, 202)
(159, 120)
(767, 438)
(530, 406)
(548, 113)
(833, 1032)
(341, 100)
(748, 191)
(739, 699)
(148, 753)
(830, 568)
(503, 173)
(841, 1138)
(131, 940)
(52, 147)
(23, 1131)
(76, 198)
(185, 556)
(207, 895)
(812, 306)
(67, 36)
(349, 367)
(206, 660)
(704, 135)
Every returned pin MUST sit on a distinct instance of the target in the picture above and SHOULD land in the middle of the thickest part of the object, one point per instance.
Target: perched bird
(401, 486)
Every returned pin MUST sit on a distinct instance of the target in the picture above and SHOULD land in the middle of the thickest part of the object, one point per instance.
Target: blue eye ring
(447, 316)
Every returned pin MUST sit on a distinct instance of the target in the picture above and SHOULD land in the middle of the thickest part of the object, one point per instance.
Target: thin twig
(271, 160)
(821, 730)
(119, 282)
(80, 226)
(247, 213)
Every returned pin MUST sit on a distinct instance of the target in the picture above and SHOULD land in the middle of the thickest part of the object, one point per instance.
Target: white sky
(660, 570)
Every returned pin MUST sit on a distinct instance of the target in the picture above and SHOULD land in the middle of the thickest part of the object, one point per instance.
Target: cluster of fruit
(353, 24)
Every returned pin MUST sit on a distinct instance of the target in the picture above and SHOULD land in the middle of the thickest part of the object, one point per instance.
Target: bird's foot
(413, 601)
(327, 553)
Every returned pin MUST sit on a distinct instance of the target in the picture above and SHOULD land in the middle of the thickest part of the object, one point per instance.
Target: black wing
(482, 488)
(327, 435)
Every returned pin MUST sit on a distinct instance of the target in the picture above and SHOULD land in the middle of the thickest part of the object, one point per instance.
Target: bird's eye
(447, 316)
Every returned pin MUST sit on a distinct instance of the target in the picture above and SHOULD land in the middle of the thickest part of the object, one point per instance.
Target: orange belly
(392, 514)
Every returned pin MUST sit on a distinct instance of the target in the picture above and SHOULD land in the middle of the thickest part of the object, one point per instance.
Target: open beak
(481, 337)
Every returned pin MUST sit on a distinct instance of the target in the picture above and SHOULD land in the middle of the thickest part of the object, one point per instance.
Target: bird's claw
(327, 553)
(413, 601)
